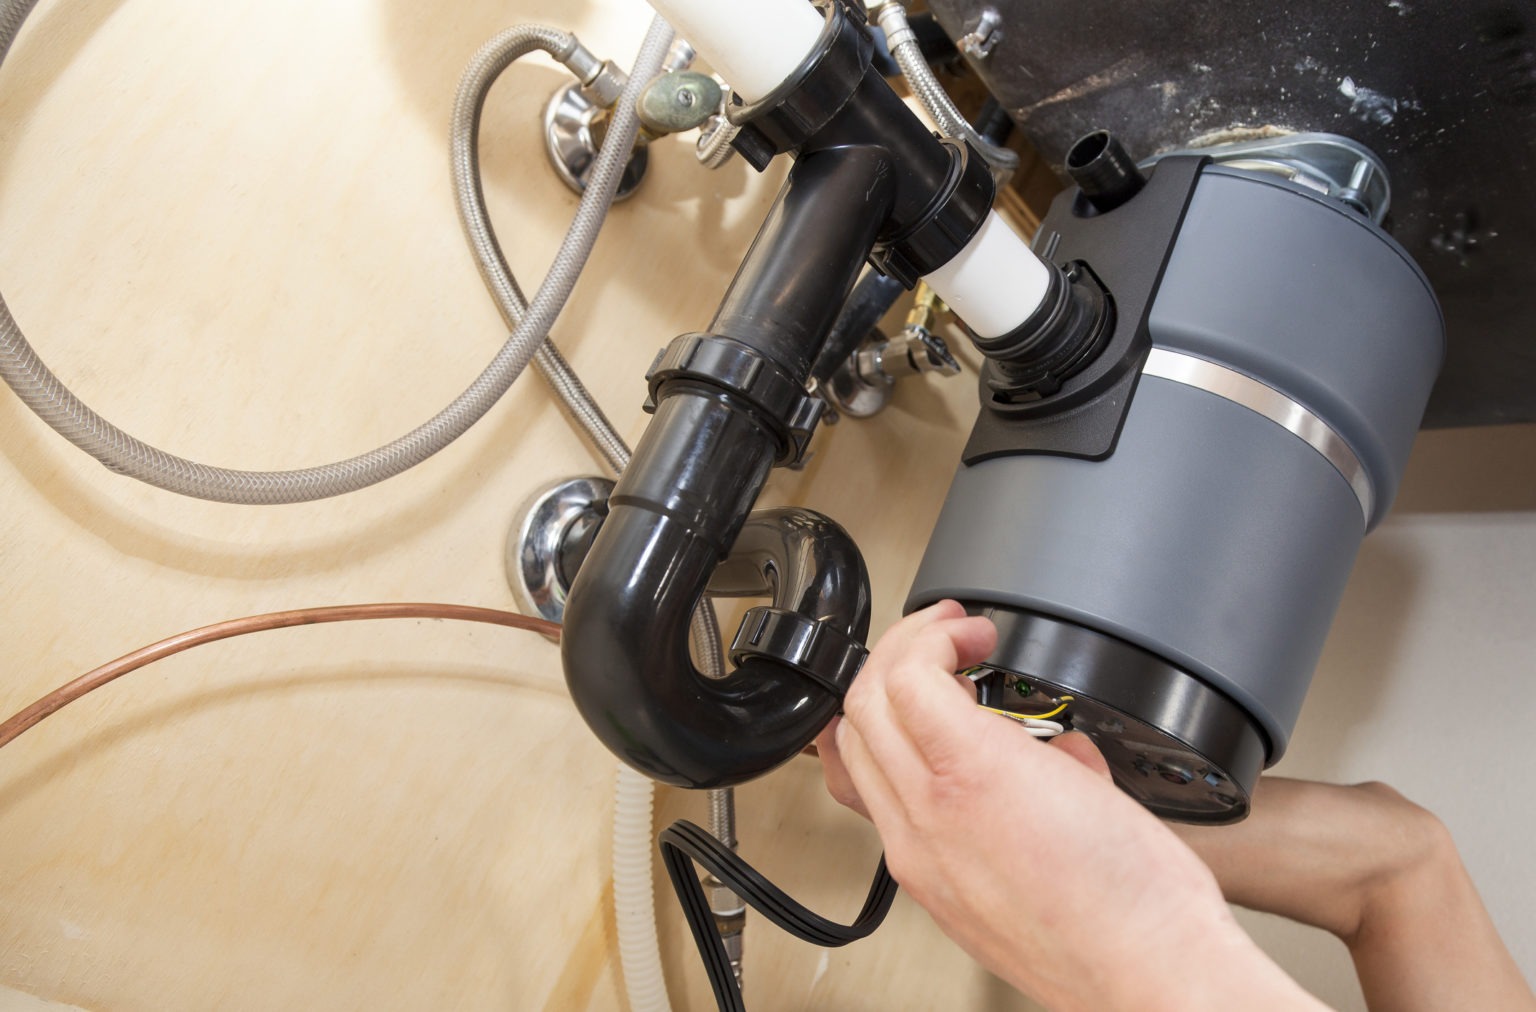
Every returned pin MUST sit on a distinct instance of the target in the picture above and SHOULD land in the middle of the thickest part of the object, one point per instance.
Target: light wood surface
(229, 228)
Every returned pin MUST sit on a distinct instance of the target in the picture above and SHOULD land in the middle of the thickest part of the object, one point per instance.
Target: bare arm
(1383, 875)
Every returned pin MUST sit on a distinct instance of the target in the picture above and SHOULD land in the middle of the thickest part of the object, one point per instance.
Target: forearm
(1247, 979)
(1309, 852)
(1380, 873)
(1207, 964)
(1425, 941)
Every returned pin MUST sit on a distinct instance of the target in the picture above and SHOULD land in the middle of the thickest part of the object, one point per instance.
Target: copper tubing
(97, 677)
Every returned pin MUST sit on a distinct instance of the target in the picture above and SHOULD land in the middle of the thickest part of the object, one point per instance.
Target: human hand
(1025, 853)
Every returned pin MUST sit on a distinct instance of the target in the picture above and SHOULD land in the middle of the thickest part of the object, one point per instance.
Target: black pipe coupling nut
(807, 100)
(770, 390)
(959, 208)
(1059, 340)
(819, 651)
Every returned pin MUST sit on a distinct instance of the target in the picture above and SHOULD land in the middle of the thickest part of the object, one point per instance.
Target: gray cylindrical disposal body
(1214, 538)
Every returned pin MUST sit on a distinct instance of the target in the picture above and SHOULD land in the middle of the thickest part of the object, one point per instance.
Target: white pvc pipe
(754, 46)
(634, 903)
(995, 283)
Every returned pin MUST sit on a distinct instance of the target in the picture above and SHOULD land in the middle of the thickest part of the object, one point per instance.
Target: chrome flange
(572, 136)
(550, 538)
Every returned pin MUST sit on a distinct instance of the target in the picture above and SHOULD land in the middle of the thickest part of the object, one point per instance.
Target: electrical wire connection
(1036, 726)
(1064, 702)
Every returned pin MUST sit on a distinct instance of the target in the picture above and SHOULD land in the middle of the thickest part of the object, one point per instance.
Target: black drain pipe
(869, 183)
(681, 503)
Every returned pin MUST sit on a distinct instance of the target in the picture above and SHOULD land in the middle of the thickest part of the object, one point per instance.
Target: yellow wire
(1063, 700)
(1047, 716)
(1030, 716)
(1004, 713)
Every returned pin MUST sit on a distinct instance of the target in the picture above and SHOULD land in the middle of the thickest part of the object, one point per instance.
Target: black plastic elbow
(836, 98)
(625, 639)
(729, 404)
(869, 183)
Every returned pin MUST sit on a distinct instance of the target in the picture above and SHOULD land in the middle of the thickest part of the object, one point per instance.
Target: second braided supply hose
(930, 94)
(55, 404)
(469, 195)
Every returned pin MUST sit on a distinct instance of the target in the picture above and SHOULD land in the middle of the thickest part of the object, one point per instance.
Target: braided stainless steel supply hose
(730, 910)
(714, 146)
(464, 156)
(46, 395)
(934, 100)
(488, 63)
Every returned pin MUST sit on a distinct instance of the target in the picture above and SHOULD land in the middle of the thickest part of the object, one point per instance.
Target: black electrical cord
(683, 843)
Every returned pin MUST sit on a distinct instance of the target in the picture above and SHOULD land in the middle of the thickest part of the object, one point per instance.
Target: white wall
(1427, 680)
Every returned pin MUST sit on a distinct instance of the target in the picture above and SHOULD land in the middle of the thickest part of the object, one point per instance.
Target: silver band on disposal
(1233, 386)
